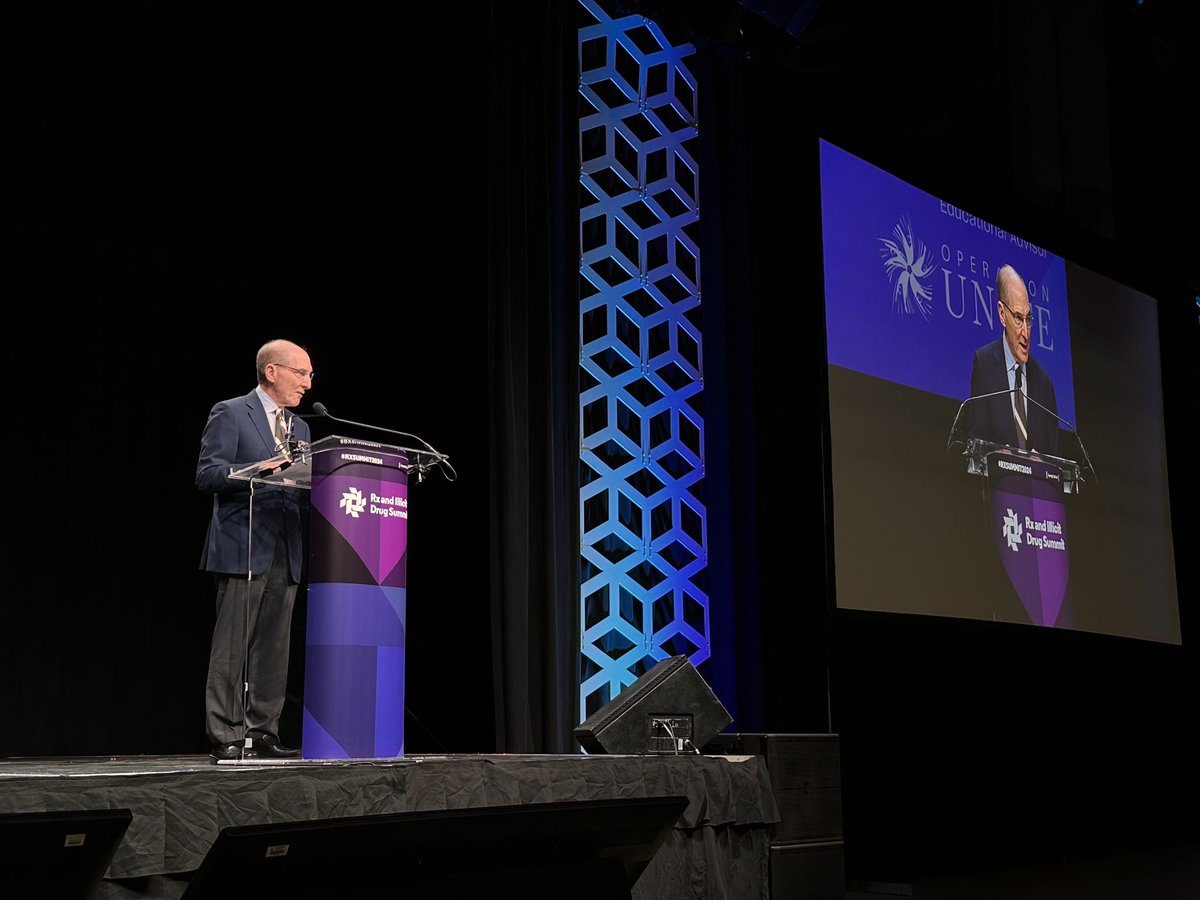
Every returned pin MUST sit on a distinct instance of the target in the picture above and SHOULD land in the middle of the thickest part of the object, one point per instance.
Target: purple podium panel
(1029, 523)
(354, 655)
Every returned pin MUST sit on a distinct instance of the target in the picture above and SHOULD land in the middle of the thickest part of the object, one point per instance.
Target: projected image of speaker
(669, 710)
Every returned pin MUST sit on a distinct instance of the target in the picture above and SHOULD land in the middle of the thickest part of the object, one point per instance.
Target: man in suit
(1022, 410)
(255, 556)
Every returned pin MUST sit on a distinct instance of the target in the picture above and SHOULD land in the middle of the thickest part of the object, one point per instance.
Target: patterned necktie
(1019, 406)
(280, 430)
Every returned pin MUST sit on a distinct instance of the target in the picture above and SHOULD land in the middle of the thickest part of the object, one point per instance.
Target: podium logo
(905, 259)
(1012, 531)
(353, 502)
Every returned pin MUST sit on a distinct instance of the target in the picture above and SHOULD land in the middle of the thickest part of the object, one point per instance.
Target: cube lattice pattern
(642, 515)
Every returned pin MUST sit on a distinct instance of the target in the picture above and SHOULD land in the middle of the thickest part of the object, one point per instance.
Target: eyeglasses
(300, 373)
(1023, 321)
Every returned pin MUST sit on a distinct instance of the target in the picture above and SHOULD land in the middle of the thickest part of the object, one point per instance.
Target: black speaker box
(807, 848)
(669, 710)
(806, 778)
(813, 871)
(63, 855)
(585, 849)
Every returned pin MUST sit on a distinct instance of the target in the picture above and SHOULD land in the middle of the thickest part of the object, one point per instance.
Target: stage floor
(719, 848)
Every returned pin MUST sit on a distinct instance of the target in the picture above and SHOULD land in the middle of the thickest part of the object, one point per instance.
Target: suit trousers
(249, 655)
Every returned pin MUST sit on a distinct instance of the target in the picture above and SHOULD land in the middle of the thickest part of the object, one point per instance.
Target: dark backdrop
(191, 183)
(964, 744)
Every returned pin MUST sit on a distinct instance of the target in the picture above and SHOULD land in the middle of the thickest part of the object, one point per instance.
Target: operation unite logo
(907, 263)
(966, 278)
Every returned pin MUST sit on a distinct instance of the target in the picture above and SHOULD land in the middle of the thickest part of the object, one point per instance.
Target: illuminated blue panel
(642, 517)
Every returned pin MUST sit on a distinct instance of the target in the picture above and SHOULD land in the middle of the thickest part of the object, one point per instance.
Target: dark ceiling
(1085, 108)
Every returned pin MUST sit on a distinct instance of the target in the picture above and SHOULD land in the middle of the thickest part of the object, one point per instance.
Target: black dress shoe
(267, 746)
(229, 750)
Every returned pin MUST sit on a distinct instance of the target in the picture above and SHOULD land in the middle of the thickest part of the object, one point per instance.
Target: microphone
(1073, 431)
(963, 405)
(288, 445)
(321, 410)
(1050, 412)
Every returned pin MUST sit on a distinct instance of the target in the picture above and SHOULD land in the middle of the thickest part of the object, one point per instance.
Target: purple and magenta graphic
(355, 641)
(910, 284)
(1029, 522)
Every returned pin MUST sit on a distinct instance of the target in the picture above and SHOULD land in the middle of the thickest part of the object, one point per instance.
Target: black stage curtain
(731, 400)
(190, 184)
(533, 366)
(762, 486)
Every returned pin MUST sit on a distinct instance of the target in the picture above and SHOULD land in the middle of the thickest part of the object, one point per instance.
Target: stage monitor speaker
(58, 854)
(583, 849)
(669, 710)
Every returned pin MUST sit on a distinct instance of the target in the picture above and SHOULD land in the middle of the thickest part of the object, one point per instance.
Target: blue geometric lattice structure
(642, 517)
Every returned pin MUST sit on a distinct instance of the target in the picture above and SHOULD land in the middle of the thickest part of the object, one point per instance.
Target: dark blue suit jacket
(992, 419)
(237, 434)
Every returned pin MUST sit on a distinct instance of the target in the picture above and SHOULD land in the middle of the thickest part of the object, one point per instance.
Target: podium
(1027, 519)
(357, 542)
